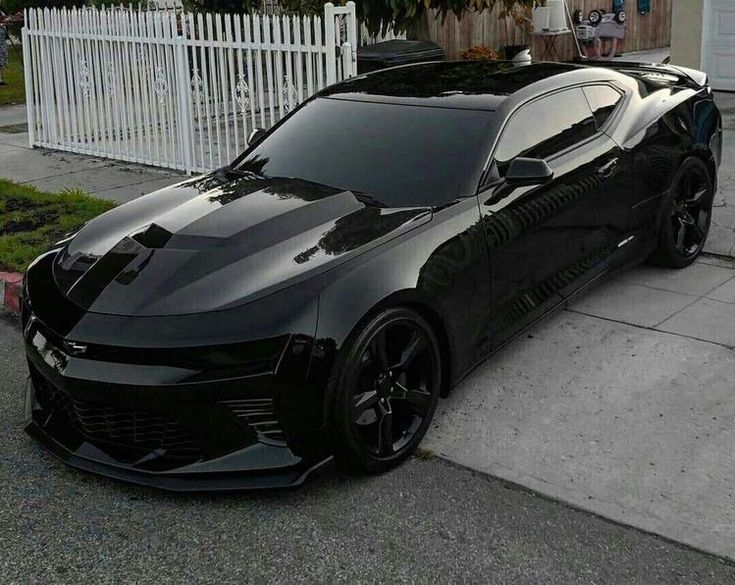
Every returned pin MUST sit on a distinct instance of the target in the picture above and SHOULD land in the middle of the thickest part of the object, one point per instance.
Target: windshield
(398, 155)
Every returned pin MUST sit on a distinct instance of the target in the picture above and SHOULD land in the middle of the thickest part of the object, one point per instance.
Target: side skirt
(619, 261)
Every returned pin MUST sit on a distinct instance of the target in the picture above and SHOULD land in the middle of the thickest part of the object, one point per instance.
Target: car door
(547, 239)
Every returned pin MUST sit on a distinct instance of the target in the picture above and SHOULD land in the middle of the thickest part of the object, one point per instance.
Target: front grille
(123, 427)
(259, 414)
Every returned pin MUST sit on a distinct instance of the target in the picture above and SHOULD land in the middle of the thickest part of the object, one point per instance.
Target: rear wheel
(387, 392)
(687, 216)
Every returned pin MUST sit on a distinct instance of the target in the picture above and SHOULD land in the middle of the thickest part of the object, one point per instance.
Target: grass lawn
(32, 221)
(15, 90)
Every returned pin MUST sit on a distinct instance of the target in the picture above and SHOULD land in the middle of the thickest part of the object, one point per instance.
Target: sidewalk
(622, 405)
(53, 171)
(650, 56)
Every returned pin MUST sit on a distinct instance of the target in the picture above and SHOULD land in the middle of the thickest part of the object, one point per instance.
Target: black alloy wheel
(595, 17)
(388, 391)
(687, 215)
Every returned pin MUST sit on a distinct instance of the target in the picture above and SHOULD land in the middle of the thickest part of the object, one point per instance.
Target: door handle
(606, 170)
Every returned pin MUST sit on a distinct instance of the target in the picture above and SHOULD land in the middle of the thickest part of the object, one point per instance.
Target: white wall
(686, 33)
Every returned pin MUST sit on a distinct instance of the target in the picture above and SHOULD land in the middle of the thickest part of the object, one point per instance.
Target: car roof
(479, 85)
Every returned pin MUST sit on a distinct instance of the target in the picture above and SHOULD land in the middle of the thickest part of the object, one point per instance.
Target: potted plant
(516, 17)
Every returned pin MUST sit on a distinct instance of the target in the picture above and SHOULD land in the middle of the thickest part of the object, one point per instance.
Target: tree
(516, 17)
(13, 6)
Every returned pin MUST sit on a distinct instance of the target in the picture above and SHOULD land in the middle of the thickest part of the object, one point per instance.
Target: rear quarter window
(603, 101)
(545, 127)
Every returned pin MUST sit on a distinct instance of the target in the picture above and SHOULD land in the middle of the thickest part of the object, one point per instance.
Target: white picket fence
(173, 89)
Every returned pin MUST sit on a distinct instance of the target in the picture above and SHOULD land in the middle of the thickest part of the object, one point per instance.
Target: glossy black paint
(190, 339)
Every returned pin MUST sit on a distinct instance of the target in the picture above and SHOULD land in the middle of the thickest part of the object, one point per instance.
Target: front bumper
(210, 437)
(214, 401)
(163, 418)
(194, 478)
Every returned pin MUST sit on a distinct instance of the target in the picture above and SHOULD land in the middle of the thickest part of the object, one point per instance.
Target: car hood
(217, 242)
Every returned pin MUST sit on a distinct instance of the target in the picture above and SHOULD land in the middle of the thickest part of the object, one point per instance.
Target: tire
(387, 391)
(621, 17)
(578, 17)
(595, 17)
(686, 215)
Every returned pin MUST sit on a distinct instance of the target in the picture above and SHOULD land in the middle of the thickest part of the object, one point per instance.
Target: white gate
(172, 89)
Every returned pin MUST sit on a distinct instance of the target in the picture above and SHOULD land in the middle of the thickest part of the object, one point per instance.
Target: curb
(10, 288)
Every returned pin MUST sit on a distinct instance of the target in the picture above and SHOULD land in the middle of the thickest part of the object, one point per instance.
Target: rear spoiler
(697, 76)
(692, 77)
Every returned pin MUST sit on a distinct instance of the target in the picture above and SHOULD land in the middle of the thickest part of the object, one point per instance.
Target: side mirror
(255, 136)
(528, 171)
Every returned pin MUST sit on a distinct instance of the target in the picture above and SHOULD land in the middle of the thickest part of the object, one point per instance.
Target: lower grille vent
(122, 427)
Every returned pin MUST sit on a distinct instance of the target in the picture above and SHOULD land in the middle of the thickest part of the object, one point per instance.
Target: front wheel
(687, 214)
(387, 392)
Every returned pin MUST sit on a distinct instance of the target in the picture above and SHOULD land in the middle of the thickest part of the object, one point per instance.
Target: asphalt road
(427, 522)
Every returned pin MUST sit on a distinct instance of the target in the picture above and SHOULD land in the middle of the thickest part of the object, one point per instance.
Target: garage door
(718, 43)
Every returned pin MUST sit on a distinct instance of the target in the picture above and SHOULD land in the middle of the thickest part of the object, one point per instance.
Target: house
(703, 37)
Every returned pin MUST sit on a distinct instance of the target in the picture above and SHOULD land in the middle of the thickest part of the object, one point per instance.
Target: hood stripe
(86, 290)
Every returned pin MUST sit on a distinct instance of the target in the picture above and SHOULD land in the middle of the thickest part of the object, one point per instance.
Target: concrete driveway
(623, 404)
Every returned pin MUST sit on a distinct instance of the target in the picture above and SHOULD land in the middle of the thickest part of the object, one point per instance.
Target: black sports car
(315, 298)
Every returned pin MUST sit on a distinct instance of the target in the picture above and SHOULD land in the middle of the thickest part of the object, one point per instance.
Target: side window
(603, 100)
(545, 127)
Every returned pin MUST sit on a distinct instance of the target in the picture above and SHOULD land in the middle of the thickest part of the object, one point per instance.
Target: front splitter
(229, 481)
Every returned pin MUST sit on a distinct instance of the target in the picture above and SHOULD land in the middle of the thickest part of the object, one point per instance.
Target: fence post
(28, 75)
(183, 91)
(330, 42)
(48, 99)
(346, 51)
(352, 36)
